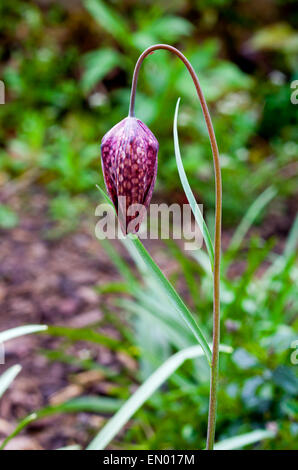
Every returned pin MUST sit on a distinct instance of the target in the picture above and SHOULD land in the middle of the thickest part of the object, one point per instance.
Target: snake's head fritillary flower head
(129, 162)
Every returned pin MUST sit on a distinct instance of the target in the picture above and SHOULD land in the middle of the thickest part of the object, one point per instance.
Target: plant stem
(217, 238)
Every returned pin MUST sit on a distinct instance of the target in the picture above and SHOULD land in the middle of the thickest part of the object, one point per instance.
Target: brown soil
(50, 281)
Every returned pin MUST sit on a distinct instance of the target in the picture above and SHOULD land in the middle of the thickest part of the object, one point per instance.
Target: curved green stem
(217, 238)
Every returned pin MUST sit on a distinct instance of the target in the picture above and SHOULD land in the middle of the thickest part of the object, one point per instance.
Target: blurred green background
(67, 68)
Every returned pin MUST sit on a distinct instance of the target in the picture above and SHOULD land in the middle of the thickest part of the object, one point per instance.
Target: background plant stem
(217, 238)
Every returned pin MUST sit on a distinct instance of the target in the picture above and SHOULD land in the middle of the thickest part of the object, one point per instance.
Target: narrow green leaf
(243, 440)
(8, 377)
(189, 194)
(58, 355)
(8, 218)
(175, 336)
(173, 296)
(170, 28)
(20, 331)
(291, 243)
(109, 20)
(97, 65)
(250, 216)
(290, 248)
(118, 261)
(18, 429)
(109, 431)
(89, 404)
(114, 287)
(167, 287)
(85, 334)
(71, 447)
(105, 196)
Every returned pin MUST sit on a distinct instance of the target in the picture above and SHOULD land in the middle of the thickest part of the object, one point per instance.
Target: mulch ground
(50, 281)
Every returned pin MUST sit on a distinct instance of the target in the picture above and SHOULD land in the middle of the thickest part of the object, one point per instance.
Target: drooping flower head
(129, 161)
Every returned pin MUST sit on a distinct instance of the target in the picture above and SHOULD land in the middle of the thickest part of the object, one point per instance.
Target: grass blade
(174, 298)
(109, 20)
(98, 64)
(18, 429)
(20, 331)
(120, 264)
(243, 440)
(281, 261)
(86, 334)
(291, 243)
(71, 447)
(8, 377)
(189, 194)
(89, 404)
(109, 431)
(172, 295)
(105, 196)
(250, 216)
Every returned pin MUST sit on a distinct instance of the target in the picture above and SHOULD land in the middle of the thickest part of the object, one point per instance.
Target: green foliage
(66, 211)
(258, 383)
(98, 64)
(67, 74)
(20, 331)
(243, 440)
(258, 321)
(84, 334)
(252, 314)
(189, 194)
(143, 393)
(8, 218)
(8, 377)
(89, 404)
(64, 93)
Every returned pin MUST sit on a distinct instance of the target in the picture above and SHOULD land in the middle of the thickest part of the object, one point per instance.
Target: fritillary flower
(129, 161)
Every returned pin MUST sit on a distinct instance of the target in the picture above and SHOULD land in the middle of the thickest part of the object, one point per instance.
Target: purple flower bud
(129, 162)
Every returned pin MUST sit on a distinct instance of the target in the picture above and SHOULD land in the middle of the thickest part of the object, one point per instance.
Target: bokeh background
(67, 69)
